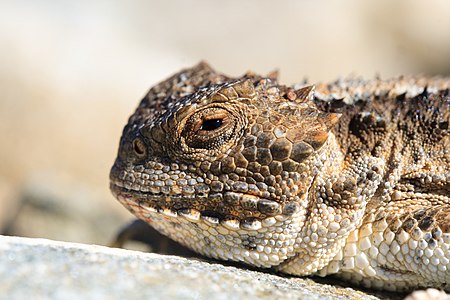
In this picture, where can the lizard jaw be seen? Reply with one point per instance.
(220, 238)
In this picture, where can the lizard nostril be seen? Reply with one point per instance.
(139, 147)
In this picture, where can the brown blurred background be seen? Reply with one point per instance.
(71, 72)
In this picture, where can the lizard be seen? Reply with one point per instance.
(350, 178)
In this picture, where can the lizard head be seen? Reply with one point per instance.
(232, 153)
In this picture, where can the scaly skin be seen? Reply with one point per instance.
(350, 178)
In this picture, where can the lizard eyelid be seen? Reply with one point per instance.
(211, 120)
(209, 129)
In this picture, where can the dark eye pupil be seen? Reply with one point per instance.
(211, 124)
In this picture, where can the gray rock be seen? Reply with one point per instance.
(44, 269)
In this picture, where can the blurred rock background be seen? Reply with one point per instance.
(71, 72)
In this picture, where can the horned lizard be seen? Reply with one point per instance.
(349, 178)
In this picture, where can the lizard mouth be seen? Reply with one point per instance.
(142, 207)
(248, 212)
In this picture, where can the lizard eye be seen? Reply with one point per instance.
(209, 128)
(209, 125)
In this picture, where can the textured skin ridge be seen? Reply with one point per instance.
(349, 178)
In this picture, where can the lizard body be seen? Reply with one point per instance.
(349, 178)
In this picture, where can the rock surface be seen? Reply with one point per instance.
(45, 269)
